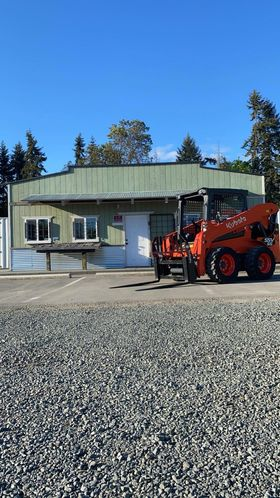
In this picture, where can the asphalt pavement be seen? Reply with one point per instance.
(67, 289)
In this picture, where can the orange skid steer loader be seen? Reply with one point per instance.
(217, 235)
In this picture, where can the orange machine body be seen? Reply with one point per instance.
(241, 233)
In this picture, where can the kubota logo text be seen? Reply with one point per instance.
(234, 223)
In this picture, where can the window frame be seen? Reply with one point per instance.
(85, 217)
(37, 219)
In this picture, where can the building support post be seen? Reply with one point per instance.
(84, 260)
(48, 261)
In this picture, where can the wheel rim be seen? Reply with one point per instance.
(227, 265)
(264, 263)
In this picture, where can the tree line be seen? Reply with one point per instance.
(261, 149)
(129, 142)
(19, 165)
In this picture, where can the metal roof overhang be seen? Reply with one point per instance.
(106, 196)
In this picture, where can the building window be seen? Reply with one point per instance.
(37, 230)
(161, 224)
(85, 229)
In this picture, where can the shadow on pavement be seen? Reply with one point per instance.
(240, 280)
(172, 285)
(134, 285)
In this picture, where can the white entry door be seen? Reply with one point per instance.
(137, 240)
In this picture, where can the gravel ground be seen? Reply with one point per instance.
(154, 400)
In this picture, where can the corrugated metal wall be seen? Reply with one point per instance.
(104, 257)
(27, 260)
(107, 257)
(148, 177)
(69, 261)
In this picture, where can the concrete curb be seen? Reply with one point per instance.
(4, 274)
(29, 275)
(124, 273)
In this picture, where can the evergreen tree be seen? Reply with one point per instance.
(17, 161)
(263, 145)
(6, 176)
(79, 150)
(189, 152)
(93, 153)
(34, 158)
(131, 141)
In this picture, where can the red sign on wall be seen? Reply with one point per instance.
(118, 219)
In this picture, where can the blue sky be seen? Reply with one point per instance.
(181, 66)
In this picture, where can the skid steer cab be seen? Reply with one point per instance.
(217, 235)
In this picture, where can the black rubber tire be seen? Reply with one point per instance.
(252, 263)
(213, 265)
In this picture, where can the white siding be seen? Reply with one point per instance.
(4, 243)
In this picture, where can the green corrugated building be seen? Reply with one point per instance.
(105, 216)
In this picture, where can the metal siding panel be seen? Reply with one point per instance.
(135, 178)
(107, 257)
(200, 178)
(169, 176)
(27, 259)
(100, 178)
(78, 181)
(87, 172)
(253, 200)
(132, 180)
(155, 179)
(66, 261)
(109, 177)
(138, 179)
(175, 177)
(125, 183)
(83, 182)
(115, 234)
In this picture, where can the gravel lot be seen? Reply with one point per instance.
(143, 400)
